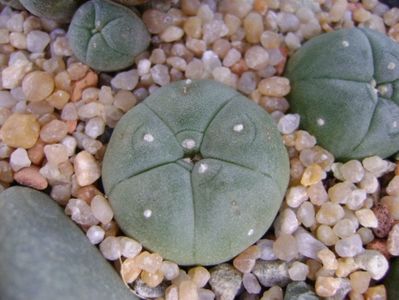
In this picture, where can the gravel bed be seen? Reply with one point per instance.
(337, 227)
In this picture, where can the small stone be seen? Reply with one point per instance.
(172, 293)
(329, 213)
(188, 291)
(350, 246)
(346, 266)
(37, 41)
(110, 248)
(317, 194)
(19, 159)
(367, 218)
(376, 293)
(385, 220)
(34, 80)
(56, 153)
(328, 259)
(326, 235)
(149, 262)
(393, 240)
(20, 131)
(87, 169)
(340, 192)
(129, 270)
(199, 275)
(306, 214)
(31, 177)
(95, 234)
(285, 247)
(298, 271)
(369, 183)
(58, 99)
(266, 249)
(12, 75)
(80, 212)
(373, 262)
(125, 80)
(297, 291)
(274, 86)
(193, 27)
(101, 209)
(393, 186)
(360, 281)
(288, 123)
(253, 26)
(271, 273)
(160, 74)
(366, 234)
(312, 175)
(129, 247)
(352, 171)
(152, 279)
(225, 281)
(243, 263)
(146, 292)
(327, 286)
(251, 284)
(205, 294)
(375, 165)
(232, 57)
(308, 245)
(171, 34)
(53, 132)
(256, 58)
(89, 80)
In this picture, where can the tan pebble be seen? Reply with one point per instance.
(149, 262)
(253, 26)
(188, 290)
(379, 245)
(6, 174)
(130, 270)
(58, 99)
(274, 86)
(392, 203)
(152, 279)
(260, 6)
(199, 276)
(393, 240)
(360, 281)
(346, 266)
(20, 131)
(90, 79)
(87, 193)
(328, 259)
(37, 86)
(244, 264)
(36, 153)
(87, 169)
(312, 175)
(239, 67)
(190, 7)
(327, 286)
(71, 125)
(377, 292)
(111, 229)
(274, 293)
(314, 266)
(172, 292)
(31, 177)
(54, 131)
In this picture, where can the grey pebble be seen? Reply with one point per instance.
(271, 273)
(225, 282)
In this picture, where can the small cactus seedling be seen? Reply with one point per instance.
(106, 35)
(60, 11)
(345, 86)
(196, 172)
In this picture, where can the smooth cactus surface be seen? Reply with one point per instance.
(45, 256)
(106, 35)
(61, 10)
(196, 172)
(345, 86)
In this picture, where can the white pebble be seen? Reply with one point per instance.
(95, 127)
(298, 271)
(125, 80)
(111, 248)
(352, 171)
(367, 218)
(296, 195)
(129, 247)
(37, 41)
(251, 284)
(266, 249)
(288, 123)
(101, 209)
(87, 170)
(95, 234)
(350, 246)
(374, 262)
(56, 153)
(19, 159)
(70, 143)
(143, 66)
(80, 212)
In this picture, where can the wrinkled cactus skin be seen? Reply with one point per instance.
(106, 35)
(61, 11)
(45, 256)
(207, 211)
(345, 86)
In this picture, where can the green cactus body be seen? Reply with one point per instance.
(345, 86)
(196, 172)
(45, 256)
(106, 35)
(60, 11)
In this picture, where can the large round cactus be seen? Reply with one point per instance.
(345, 86)
(107, 35)
(196, 172)
(61, 10)
(45, 256)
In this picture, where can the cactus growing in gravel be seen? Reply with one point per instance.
(60, 11)
(196, 172)
(345, 86)
(106, 35)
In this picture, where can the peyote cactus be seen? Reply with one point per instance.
(345, 86)
(106, 35)
(196, 172)
(45, 256)
(60, 11)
